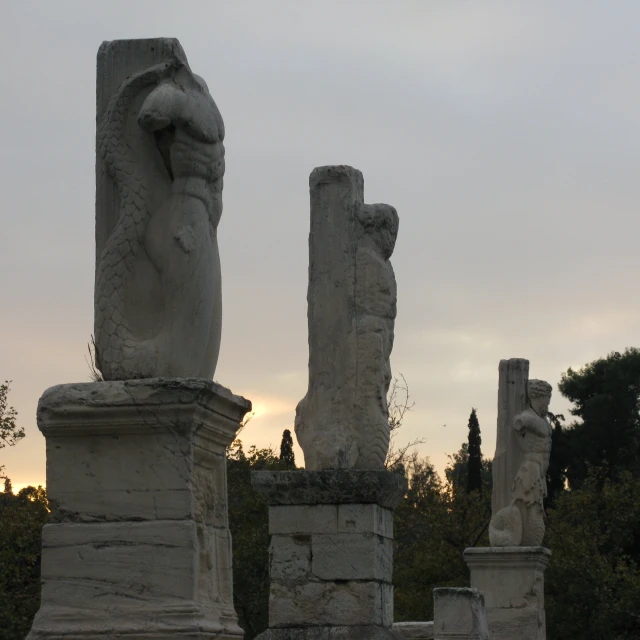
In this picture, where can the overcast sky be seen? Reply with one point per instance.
(506, 134)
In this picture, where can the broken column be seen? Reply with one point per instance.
(139, 545)
(331, 524)
(510, 573)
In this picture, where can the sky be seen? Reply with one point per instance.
(505, 133)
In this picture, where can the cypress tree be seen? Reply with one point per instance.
(287, 457)
(474, 465)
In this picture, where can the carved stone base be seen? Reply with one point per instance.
(512, 582)
(139, 544)
(331, 553)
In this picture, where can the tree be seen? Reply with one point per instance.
(287, 457)
(435, 522)
(474, 464)
(398, 402)
(606, 398)
(10, 433)
(249, 525)
(22, 517)
(592, 586)
(456, 472)
(556, 472)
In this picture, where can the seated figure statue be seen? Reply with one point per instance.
(521, 523)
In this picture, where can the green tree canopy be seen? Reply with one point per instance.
(22, 517)
(249, 526)
(606, 398)
(592, 585)
(10, 432)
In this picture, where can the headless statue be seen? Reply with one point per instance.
(158, 298)
(343, 420)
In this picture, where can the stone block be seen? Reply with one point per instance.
(303, 519)
(459, 613)
(139, 546)
(362, 632)
(365, 518)
(330, 603)
(512, 582)
(138, 450)
(289, 558)
(332, 486)
(352, 556)
(414, 630)
(108, 562)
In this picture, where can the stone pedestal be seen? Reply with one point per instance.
(512, 582)
(139, 544)
(459, 614)
(331, 554)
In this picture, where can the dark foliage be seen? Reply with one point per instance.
(474, 464)
(287, 457)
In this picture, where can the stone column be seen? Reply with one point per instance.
(512, 582)
(512, 399)
(331, 553)
(138, 545)
(343, 420)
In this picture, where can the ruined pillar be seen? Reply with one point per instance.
(331, 524)
(513, 375)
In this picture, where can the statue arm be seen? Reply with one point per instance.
(161, 107)
(524, 422)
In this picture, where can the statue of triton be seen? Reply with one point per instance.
(160, 146)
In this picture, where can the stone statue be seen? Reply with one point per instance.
(521, 522)
(158, 291)
(343, 421)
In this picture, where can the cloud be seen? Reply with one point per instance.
(504, 133)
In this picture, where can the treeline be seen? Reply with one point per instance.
(592, 586)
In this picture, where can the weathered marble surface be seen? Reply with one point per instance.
(459, 613)
(512, 582)
(159, 172)
(522, 458)
(331, 486)
(363, 632)
(331, 561)
(342, 422)
(139, 543)
(414, 630)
